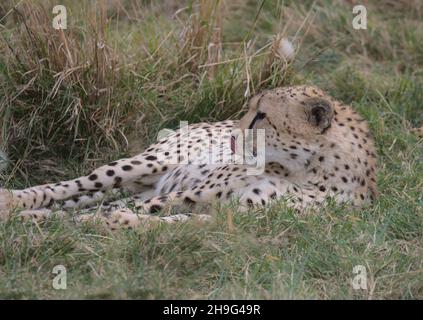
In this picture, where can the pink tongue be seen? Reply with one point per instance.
(233, 141)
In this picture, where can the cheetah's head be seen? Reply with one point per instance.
(296, 121)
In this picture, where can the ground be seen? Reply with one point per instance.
(144, 69)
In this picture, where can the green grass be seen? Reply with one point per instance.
(156, 81)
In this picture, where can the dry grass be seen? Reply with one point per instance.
(60, 86)
(87, 90)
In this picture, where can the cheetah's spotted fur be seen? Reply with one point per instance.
(316, 148)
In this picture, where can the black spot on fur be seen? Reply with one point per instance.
(155, 208)
(188, 200)
(118, 181)
(229, 193)
(110, 173)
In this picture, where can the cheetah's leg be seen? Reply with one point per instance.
(38, 215)
(87, 201)
(250, 194)
(104, 178)
(127, 219)
(118, 219)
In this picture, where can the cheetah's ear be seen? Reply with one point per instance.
(319, 112)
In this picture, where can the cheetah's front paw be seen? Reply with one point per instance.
(38, 215)
(127, 219)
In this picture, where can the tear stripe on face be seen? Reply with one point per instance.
(259, 116)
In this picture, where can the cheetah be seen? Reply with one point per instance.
(315, 148)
